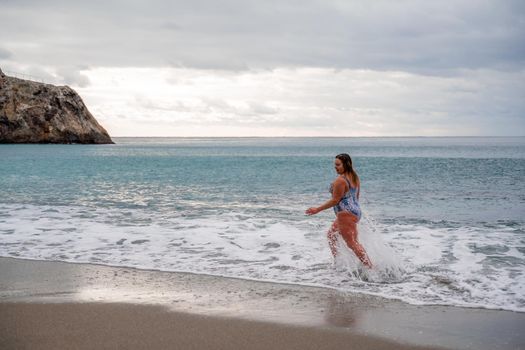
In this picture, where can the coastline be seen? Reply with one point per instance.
(160, 305)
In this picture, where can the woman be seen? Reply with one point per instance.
(345, 200)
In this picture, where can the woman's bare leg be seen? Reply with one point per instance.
(332, 238)
(347, 224)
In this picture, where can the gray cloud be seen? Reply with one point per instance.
(322, 102)
(423, 37)
(72, 76)
(5, 53)
(405, 67)
(257, 108)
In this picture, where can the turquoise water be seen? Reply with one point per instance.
(450, 209)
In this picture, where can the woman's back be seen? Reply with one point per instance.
(350, 200)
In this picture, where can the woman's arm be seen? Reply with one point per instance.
(337, 193)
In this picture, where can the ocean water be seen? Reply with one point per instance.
(443, 218)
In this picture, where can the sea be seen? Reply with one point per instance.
(443, 218)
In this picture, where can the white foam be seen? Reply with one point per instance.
(418, 264)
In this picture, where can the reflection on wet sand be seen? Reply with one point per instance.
(341, 313)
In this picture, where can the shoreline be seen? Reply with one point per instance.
(52, 289)
(283, 283)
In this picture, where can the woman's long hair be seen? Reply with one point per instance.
(347, 166)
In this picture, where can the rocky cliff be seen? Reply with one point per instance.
(32, 112)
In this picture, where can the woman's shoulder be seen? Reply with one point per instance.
(339, 181)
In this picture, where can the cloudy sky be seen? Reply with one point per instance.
(279, 68)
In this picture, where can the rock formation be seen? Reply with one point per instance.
(32, 112)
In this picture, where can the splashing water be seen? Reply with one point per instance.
(387, 266)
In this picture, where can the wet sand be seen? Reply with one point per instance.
(55, 305)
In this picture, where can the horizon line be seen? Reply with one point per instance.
(304, 137)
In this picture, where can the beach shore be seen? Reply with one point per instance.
(57, 305)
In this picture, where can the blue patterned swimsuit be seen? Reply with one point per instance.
(349, 201)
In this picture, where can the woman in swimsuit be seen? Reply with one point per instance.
(345, 201)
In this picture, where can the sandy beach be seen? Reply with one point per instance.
(56, 305)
